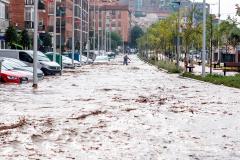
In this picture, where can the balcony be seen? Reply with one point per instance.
(29, 24)
(41, 28)
(3, 24)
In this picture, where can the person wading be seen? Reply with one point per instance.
(125, 59)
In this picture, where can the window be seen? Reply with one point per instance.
(2, 10)
(29, 14)
(29, 2)
(25, 57)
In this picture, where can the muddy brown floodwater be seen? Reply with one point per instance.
(114, 112)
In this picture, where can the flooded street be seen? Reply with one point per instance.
(114, 112)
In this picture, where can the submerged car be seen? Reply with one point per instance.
(8, 67)
(9, 76)
(16, 64)
(102, 59)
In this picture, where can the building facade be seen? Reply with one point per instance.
(4, 22)
(22, 17)
(110, 17)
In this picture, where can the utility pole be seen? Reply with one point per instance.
(178, 33)
(105, 30)
(94, 25)
(204, 39)
(54, 30)
(102, 43)
(81, 32)
(110, 31)
(211, 44)
(98, 29)
(219, 21)
(35, 58)
(88, 38)
(73, 30)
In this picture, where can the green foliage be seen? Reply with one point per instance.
(25, 39)
(136, 33)
(116, 40)
(230, 81)
(11, 36)
(166, 65)
(47, 40)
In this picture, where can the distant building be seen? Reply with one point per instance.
(113, 17)
(4, 22)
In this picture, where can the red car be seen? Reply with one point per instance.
(12, 77)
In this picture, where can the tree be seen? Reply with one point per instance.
(136, 33)
(47, 40)
(25, 39)
(11, 36)
(116, 40)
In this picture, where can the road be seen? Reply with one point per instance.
(116, 112)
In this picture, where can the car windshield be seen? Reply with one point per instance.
(42, 57)
(18, 63)
(7, 65)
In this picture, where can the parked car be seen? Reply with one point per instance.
(8, 67)
(48, 67)
(67, 62)
(9, 76)
(102, 59)
(20, 66)
(111, 55)
(78, 57)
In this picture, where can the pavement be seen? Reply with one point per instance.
(115, 112)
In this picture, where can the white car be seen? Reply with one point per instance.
(101, 59)
(67, 62)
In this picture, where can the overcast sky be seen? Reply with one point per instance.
(227, 7)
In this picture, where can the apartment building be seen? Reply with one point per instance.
(110, 17)
(22, 17)
(4, 22)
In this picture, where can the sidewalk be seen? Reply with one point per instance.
(198, 70)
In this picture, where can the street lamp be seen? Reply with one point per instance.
(204, 39)
(178, 31)
(219, 21)
(54, 30)
(35, 58)
(73, 30)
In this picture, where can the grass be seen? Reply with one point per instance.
(230, 81)
(166, 65)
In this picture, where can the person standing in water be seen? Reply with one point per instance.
(125, 59)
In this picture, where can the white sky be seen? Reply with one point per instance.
(227, 7)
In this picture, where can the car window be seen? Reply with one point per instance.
(25, 57)
(19, 63)
(7, 66)
(42, 57)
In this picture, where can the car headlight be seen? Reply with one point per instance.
(12, 77)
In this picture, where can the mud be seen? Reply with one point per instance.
(115, 112)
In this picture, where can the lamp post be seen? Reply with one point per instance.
(35, 58)
(219, 21)
(88, 38)
(54, 30)
(73, 30)
(178, 32)
(81, 31)
(94, 25)
(204, 39)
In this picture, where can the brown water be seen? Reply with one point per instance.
(115, 112)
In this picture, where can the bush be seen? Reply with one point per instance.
(230, 81)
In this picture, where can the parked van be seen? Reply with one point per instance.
(26, 56)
